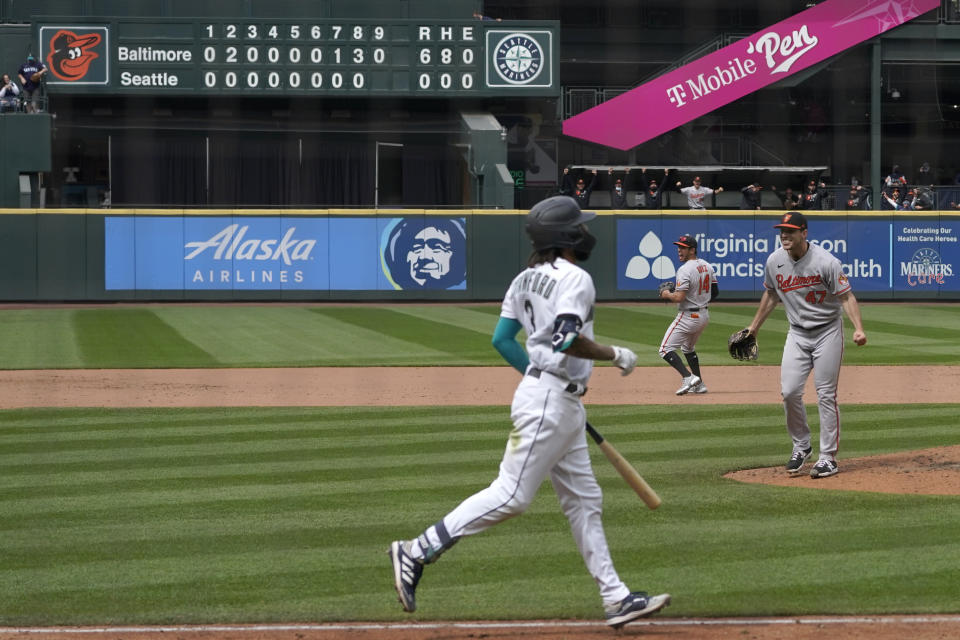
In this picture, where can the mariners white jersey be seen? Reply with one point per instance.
(536, 297)
(696, 195)
(808, 287)
(695, 277)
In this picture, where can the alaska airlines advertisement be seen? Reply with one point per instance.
(282, 253)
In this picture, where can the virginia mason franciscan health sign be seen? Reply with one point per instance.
(738, 69)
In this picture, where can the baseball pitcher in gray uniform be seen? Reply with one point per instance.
(810, 282)
(696, 286)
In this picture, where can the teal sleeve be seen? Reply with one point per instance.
(505, 342)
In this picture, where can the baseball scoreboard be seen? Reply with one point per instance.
(363, 57)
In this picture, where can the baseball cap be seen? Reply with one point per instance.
(792, 220)
(686, 240)
(30, 56)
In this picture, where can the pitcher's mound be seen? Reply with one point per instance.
(927, 471)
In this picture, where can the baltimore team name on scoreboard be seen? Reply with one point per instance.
(363, 57)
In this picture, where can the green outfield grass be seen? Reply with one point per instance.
(230, 515)
(284, 515)
(417, 335)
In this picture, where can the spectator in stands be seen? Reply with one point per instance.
(925, 175)
(859, 197)
(653, 193)
(751, 197)
(618, 190)
(926, 199)
(892, 200)
(31, 75)
(566, 183)
(895, 178)
(9, 95)
(578, 190)
(479, 16)
(814, 196)
(789, 199)
(696, 194)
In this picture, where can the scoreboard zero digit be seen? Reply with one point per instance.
(322, 57)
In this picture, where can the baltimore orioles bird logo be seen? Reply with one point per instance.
(70, 54)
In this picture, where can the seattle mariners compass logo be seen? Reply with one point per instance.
(518, 59)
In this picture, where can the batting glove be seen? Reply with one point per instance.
(625, 359)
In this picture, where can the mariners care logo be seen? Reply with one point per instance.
(926, 268)
(518, 59)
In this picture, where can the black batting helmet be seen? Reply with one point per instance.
(556, 222)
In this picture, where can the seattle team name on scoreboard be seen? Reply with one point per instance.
(390, 57)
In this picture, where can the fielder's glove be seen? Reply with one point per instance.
(625, 359)
(666, 286)
(742, 345)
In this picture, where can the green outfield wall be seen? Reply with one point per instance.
(451, 255)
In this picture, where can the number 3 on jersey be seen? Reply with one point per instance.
(815, 297)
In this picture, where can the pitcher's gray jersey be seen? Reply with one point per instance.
(695, 276)
(809, 288)
(536, 297)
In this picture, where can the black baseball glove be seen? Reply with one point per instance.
(742, 345)
(666, 286)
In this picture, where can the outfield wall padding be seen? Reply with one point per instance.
(396, 255)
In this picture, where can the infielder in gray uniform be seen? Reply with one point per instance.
(696, 286)
(811, 283)
(552, 300)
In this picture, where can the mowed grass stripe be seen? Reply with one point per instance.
(65, 421)
(482, 320)
(244, 532)
(449, 343)
(272, 336)
(38, 339)
(287, 336)
(133, 338)
(250, 336)
(146, 446)
(216, 436)
(738, 560)
(918, 316)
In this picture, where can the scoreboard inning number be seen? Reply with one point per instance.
(335, 56)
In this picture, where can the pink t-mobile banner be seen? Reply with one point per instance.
(740, 68)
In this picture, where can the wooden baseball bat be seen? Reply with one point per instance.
(626, 470)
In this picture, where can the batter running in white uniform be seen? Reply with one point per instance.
(552, 301)
(810, 282)
(696, 286)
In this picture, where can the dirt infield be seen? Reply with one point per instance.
(406, 386)
(935, 471)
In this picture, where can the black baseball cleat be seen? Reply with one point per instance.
(824, 468)
(636, 605)
(795, 463)
(406, 575)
